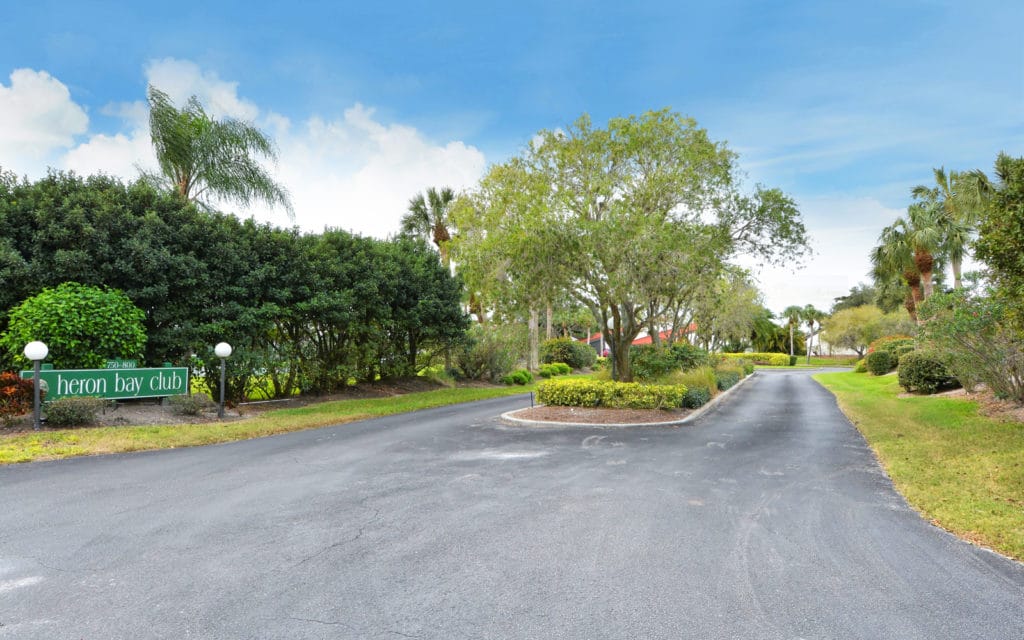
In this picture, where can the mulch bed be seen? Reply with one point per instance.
(596, 415)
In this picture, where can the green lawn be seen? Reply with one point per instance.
(66, 443)
(961, 470)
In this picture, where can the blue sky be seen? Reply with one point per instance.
(843, 105)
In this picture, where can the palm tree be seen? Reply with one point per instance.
(428, 217)
(793, 315)
(811, 316)
(907, 249)
(959, 197)
(201, 157)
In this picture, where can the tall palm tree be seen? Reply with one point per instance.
(793, 315)
(428, 217)
(959, 197)
(907, 249)
(201, 157)
(811, 316)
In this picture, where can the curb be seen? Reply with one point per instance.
(509, 418)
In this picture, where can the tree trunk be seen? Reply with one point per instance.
(925, 263)
(549, 328)
(957, 282)
(791, 339)
(533, 357)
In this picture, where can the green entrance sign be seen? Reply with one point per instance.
(113, 384)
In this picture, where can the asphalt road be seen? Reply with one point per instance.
(766, 518)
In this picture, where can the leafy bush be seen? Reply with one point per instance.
(648, 361)
(726, 379)
(520, 377)
(485, 354)
(554, 369)
(861, 366)
(924, 371)
(770, 359)
(792, 361)
(696, 398)
(73, 412)
(701, 384)
(83, 326)
(16, 395)
(895, 346)
(880, 362)
(979, 339)
(619, 395)
(191, 404)
(577, 355)
(600, 364)
(574, 392)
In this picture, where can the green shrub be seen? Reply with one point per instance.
(488, 353)
(726, 379)
(73, 412)
(896, 346)
(191, 404)
(618, 395)
(561, 368)
(700, 384)
(648, 361)
(554, 369)
(578, 355)
(688, 356)
(924, 371)
(748, 367)
(792, 361)
(600, 364)
(520, 377)
(83, 326)
(545, 371)
(696, 398)
(880, 363)
(861, 366)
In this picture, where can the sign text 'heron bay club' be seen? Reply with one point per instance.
(113, 383)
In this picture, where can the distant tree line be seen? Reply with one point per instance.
(308, 312)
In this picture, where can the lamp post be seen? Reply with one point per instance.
(36, 352)
(222, 351)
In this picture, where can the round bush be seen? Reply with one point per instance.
(923, 371)
(73, 412)
(577, 355)
(696, 397)
(880, 363)
(83, 326)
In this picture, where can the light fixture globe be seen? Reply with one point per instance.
(36, 350)
(222, 350)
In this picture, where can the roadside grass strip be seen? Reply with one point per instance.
(961, 470)
(84, 441)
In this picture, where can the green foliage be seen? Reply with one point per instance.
(520, 377)
(307, 312)
(895, 346)
(601, 363)
(649, 362)
(579, 392)
(770, 359)
(861, 366)
(728, 376)
(880, 362)
(978, 339)
(487, 354)
(1001, 235)
(857, 327)
(73, 412)
(191, 404)
(83, 326)
(924, 371)
(17, 396)
(792, 361)
(700, 384)
(577, 355)
(554, 369)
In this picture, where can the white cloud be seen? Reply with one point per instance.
(350, 171)
(843, 230)
(37, 118)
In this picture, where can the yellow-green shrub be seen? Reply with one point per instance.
(772, 359)
(619, 395)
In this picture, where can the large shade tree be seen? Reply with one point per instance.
(203, 159)
(631, 210)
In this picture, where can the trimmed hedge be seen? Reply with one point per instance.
(771, 359)
(727, 379)
(696, 398)
(581, 392)
(73, 412)
(880, 362)
(520, 377)
(577, 355)
(924, 371)
(896, 346)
